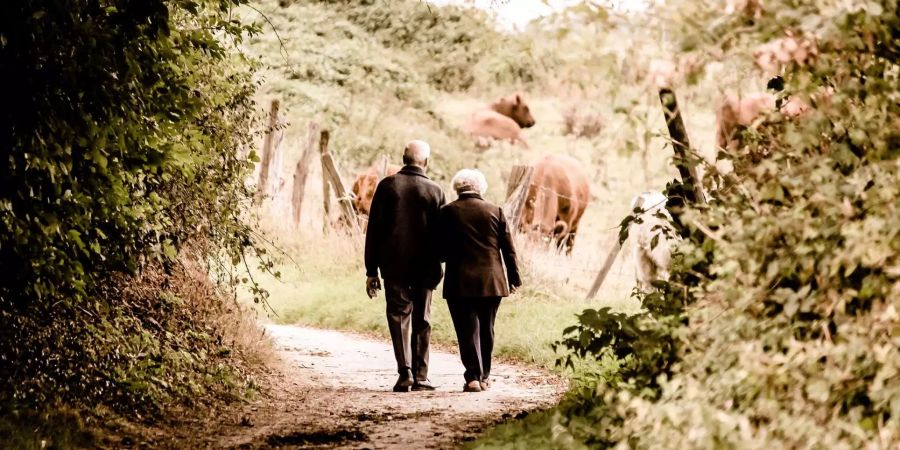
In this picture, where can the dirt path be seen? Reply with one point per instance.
(335, 392)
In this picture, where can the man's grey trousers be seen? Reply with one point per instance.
(409, 321)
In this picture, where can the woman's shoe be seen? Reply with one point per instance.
(485, 384)
(472, 386)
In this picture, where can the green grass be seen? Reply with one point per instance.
(52, 428)
(535, 431)
(324, 287)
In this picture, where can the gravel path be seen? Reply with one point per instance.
(334, 391)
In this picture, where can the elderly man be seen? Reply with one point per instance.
(401, 242)
(476, 244)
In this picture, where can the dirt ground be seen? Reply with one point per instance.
(334, 391)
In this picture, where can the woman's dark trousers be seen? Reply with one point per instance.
(473, 319)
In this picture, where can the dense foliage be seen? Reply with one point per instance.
(779, 327)
(121, 180)
(449, 40)
(367, 70)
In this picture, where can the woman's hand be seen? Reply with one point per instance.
(513, 289)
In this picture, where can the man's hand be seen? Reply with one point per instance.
(513, 289)
(373, 285)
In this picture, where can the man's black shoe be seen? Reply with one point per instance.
(422, 385)
(404, 382)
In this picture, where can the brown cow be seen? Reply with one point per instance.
(501, 120)
(364, 186)
(740, 111)
(558, 195)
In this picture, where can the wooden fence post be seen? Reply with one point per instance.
(682, 147)
(333, 176)
(340, 191)
(302, 171)
(607, 264)
(326, 188)
(262, 187)
(275, 179)
(516, 194)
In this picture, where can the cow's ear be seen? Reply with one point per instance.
(518, 99)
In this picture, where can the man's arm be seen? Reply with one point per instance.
(508, 250)
(374, 231)
(442, 199)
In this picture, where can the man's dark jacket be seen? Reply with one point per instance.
(476, 242)
(401, 238)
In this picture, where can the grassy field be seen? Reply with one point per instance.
(324, 287)
(312, 65)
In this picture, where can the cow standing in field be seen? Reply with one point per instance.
(738, 111)
(501, 120)
(364, 186)
(557, 197)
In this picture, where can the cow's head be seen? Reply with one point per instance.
(516, 109)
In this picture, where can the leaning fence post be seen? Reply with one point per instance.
(302, 171)
(681, 144)
(262, 187)
(516, 194)
(607, 264)
(333, 177)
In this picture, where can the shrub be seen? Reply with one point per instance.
(120, 152)
(581, 122)
(778, 328)
(447, 40)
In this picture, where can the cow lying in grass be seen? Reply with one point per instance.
(502, 120)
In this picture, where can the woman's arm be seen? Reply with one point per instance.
(508, 250)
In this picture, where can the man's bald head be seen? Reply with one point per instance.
(416, 153)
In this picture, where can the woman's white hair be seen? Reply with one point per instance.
(469, 180)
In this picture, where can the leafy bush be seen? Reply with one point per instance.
(778, 327)
(121, 142)
(581, 122)
(448, 41)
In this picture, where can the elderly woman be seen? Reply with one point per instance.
(476, 245)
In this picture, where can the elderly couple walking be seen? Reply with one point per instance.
(411, 231)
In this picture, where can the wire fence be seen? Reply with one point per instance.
(596, 235)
